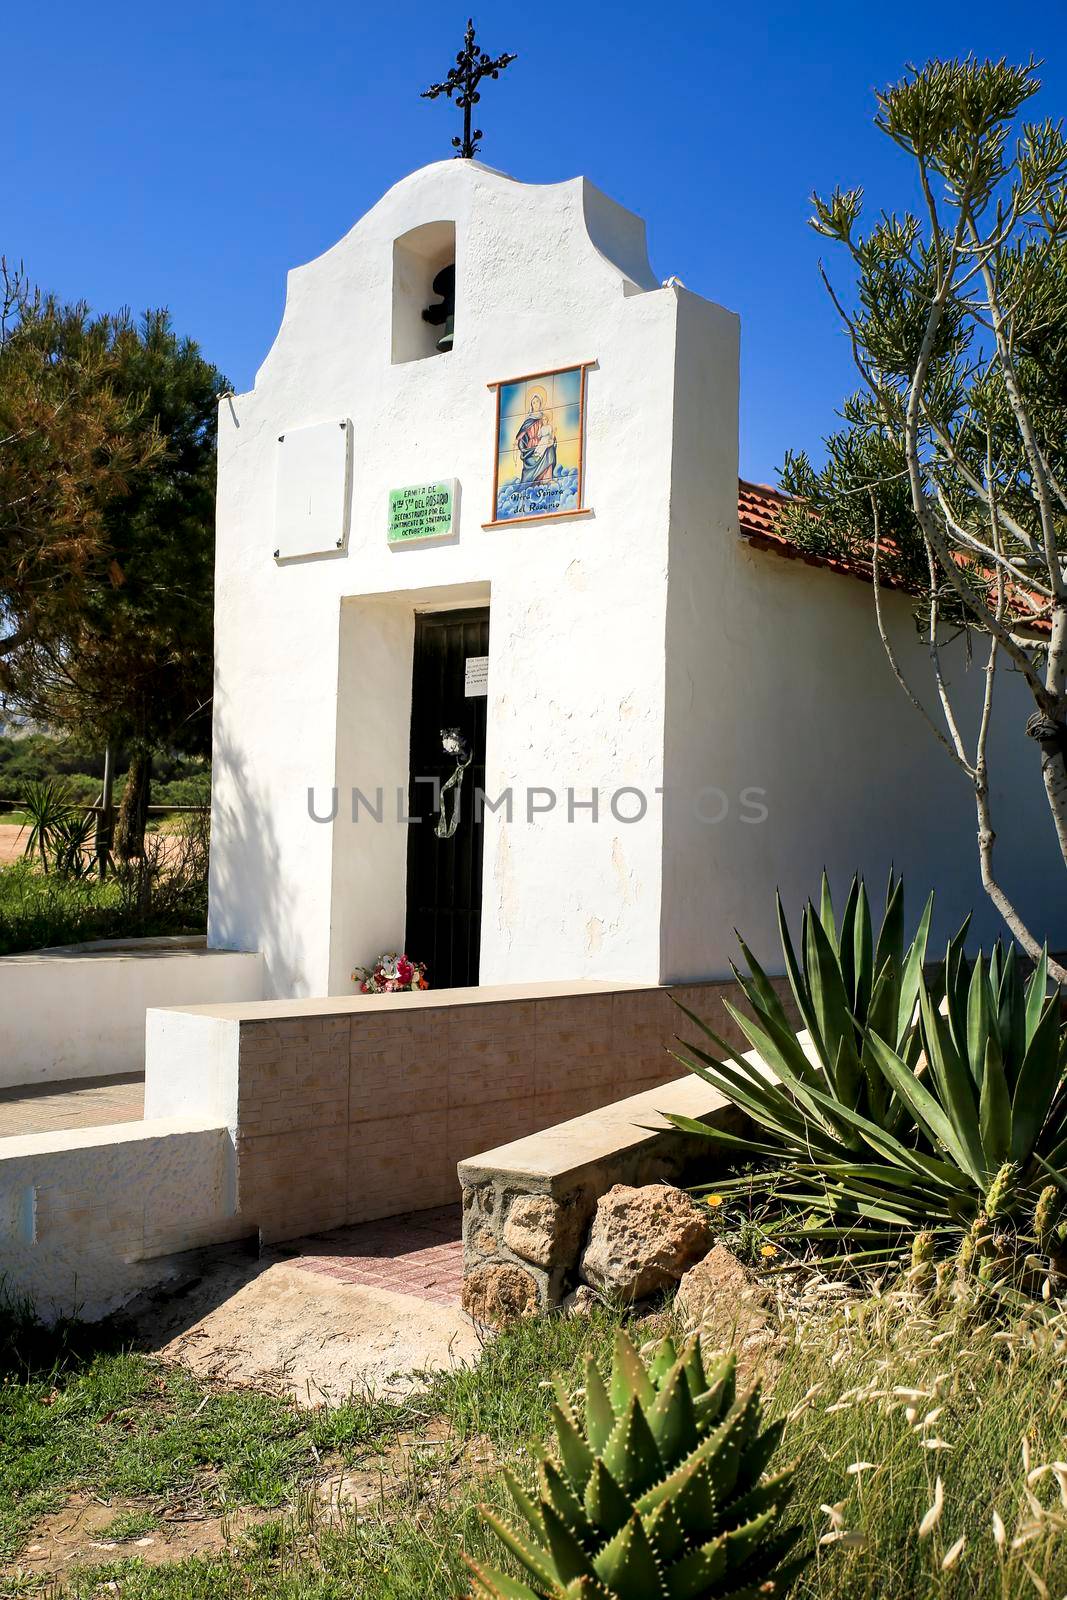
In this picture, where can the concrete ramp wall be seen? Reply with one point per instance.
(85, 1213)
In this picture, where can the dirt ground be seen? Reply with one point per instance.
(240, 1321)
(13, 838)
(12, 842)
(77, 1535)
(269, 1324)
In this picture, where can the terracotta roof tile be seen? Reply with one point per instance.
(757, 514)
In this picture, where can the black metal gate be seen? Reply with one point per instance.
(444, 911)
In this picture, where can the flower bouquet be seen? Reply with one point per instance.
(391, 974)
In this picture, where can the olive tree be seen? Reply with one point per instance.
(948, 476)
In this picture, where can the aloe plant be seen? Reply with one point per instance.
(914, 1103)
(658, 1493)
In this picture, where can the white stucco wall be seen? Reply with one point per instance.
(644, 645)
(313, 692)
(778, 682)
(80, 1012)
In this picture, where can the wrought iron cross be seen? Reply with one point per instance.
(472, 65)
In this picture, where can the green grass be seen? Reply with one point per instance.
(82, 1415)
(38, 910)
(982, 1394)
(80, 1412)
(117, 1424)
(129, 1525)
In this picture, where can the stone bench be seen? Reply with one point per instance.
(527, 1205)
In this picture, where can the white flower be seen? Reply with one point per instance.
(851, 1538)
(864, 1466)
(1000, 1533)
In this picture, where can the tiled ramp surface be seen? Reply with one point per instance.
(74, 1103)
(418, 1254)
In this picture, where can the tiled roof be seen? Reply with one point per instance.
(757, 513)
(757, 508)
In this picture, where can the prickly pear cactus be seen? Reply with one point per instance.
(658, 1493)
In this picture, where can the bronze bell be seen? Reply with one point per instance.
(444, 285)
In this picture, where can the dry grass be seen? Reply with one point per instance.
(931, 1439)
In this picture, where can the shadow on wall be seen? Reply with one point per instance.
(237, 918)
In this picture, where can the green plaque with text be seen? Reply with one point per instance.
(422, 511)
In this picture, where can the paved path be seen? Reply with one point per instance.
(72, 1103)
(419, 1254)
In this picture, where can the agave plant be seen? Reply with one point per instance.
(909, 1100)
(658, 1493)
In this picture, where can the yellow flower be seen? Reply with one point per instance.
(713, 1200)
(767, 1251)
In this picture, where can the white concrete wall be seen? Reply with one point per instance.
(85, 1214)
(777, 681)
(312, 692)
(192, 1066)
(80, 1012)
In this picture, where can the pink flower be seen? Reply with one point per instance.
(405, 971)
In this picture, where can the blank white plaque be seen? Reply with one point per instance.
(312, 489)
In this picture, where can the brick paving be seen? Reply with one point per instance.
(418, 1254)
(71, 1103)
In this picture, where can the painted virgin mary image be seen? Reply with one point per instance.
(535, 443)
(539, 445)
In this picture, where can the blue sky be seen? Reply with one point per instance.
(187, 156)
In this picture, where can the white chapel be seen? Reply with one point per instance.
(511, 673)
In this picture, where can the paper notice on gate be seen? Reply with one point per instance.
(476, 677)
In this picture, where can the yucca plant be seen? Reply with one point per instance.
(49, 808)
(901, 1113)
(658, 1493)
(72, 839)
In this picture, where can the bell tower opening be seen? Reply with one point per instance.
(424, 291)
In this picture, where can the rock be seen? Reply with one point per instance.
(643, 1240)
(543, 1231)
(499, 1293)
(720, 1296)
(482, 1242)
